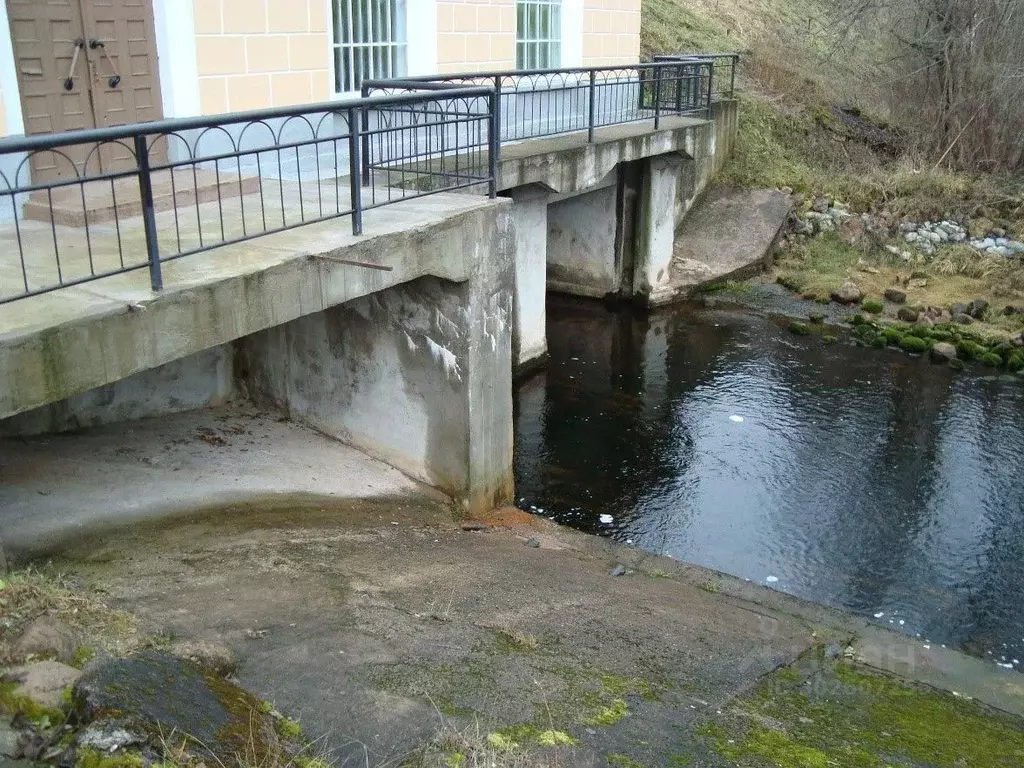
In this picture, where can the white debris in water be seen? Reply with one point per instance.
(1006, 666)
(927, 647)
(902, 622)
(606, 519)
(737, 419)
(629, 541)
(771, 579)
(880, 614)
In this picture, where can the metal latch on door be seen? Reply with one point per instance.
(115, 79)
(69, 81)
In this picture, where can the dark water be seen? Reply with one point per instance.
(858, 478)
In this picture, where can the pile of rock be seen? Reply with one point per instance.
(927, 237)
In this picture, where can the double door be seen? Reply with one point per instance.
(85, 64)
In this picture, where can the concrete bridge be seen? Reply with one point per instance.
(394, 317)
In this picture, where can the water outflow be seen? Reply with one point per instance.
(858, 478)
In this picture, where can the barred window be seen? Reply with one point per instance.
(369, 41)
(538, 34)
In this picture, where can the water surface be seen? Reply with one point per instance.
(859, 478)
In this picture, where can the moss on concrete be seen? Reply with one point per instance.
(822, 713)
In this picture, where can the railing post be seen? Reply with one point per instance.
(732, 75)
(592, 105)
(657, 97)
(365, 169)
(711, 86)
(354, 165)
(497, 105)
(148, 213)
(494, 144)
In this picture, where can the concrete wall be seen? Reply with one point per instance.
(581, 244)
(419, 375)
(197, 381)
(530, 215)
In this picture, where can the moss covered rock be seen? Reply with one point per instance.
(800, 329)
(913, 344)
(872, 306)
(991, 359)
(158, 693)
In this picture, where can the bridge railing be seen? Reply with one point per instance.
(138, 196)
(723, 70)
(548, 102)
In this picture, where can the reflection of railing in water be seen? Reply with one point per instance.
(227, 179)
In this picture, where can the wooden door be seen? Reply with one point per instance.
(114, 81)
(44, 34)
(122, 44)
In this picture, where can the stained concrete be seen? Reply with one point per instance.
(728, 233)
(53, 488)
(76, 339)
(581, 244)
(530, 218)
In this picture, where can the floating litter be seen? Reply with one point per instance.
(771, 579)
(737, 419)
(607, 519)
(880, 614)
(927, 647)
(902, 622)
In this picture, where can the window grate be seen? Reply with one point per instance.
(538, 34)
(369, 41)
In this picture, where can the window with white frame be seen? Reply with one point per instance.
(369, 41)
(538, 34)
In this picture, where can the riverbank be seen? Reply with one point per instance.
(404, 636)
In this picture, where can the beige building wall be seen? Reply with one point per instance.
(475, 35)
(254, 54)
(611, 32)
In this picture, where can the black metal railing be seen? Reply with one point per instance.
(548, 102)
(723, 70)
(126, 198)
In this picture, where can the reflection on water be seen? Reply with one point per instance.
(859, 478)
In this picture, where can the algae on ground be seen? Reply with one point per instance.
(822, 713)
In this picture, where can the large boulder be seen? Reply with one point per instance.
(158, 693)
(895, 295)
(847, 293)
(943, 352)
(48, 637)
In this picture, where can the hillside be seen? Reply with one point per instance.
(800, 60)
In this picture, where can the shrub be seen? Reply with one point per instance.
(800, 329)
(829, 339)
(1016, 361)
(892, 336)
(872, 306)
(991, 359)
(816, 317)
(968, 349)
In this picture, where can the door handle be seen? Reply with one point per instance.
(69, 81)
(115, 79)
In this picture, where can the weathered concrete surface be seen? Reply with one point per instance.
(418, 375)
(52, 488)
(61, 344)
(382, 624)
(378, 634)
(581, 249)
(657, 224)
(197, 381)
(530, 217)
(728, 233)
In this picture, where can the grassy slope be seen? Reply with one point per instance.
(794, 64)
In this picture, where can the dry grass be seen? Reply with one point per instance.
(29, 594)
(957, 274)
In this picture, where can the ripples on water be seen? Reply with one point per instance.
(859, 478)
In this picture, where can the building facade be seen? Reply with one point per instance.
(74, 64)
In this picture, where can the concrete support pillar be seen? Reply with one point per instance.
(656, 226)
(419, 375)
(530, 217)
(582, 258)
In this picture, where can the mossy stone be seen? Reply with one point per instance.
(829, 339)
(816, 317)
(991, 359)
(1016, 361)
(892, 336)
(800, 329)
(913, 344)
(872, 306)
